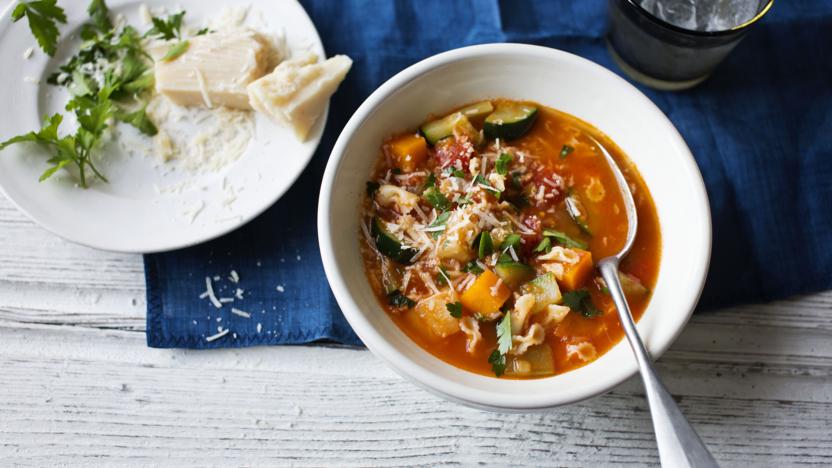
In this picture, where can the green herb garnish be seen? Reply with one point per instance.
(497, 359)
(397, 299)
(439, 221)
(564, 239)
(43, 16)
(511, 240)
(481, 181)
(442, 277)
(455, 309)
(168, 28)
(436, 199)
(473, 267)
(565, 151)
(502, 163)
(544, 246)
(485, 244)
(454, 172)
(580, 301)
(176, 50)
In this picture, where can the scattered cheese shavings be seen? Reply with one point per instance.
(209, 288)
(280, 288)
(226, 300)
(234, 277)
(217, 336)
(239, 293)
(259, 327)
(30, 79)
(27, 54)
(241, 313)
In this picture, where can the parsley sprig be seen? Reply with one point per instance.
(43, 16)
(497, 359)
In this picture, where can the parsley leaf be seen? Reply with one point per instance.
(473, 267)
(140, 120)
(442, 277)
(429, 182)
(481, 181)
(455, 309)
(439, 221)
(497, 359)
(397, 299)
(502, 163)
(544, 246)
(565, 151)
(168, 28)
(511, 240)
(485, 244)
(580, 301)
(454, 172)
(176, 50)
(564, 239)
(42, 16)
(436, 199)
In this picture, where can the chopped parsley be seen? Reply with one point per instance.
(502, 163)
(544, 246)
(440, 220)
(455, 309)
(580, 301)
(43, 16)
(497, 359)
(436, 199)
(473, 267)
(168, 28)
(481, 181)
(397, 299)
(442, 277)
(176, 50)
(454, 172)
(511, 240)
(485, 244)
(464, 200)
(429, 182)
(565, 151)
(564, 239)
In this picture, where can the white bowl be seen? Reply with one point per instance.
(556, 79)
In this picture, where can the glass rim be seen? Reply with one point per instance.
(722, 32)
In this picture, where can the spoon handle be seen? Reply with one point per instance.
(679, 444)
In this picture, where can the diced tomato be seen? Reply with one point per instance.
(547, 187)
(530, 240)
(455, 152)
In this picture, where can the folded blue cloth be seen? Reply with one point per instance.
(760, 129)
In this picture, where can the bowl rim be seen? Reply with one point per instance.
(395, 358)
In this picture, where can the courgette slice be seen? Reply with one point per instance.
(389, 245)
(479, 109)
(537, 361)
(545, 289)
(510, 121)
(443, 128)
(514, 274)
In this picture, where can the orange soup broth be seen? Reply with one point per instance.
(606, 220)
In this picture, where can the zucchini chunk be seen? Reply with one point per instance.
(389, 245)
(479, 109)
(514, 274)
(443, 128)
(545, 289)
(510, 121)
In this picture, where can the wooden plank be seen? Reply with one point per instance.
(67, 403)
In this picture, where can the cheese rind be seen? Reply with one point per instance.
(215, 70)
(296, 93)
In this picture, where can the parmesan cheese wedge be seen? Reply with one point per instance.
(215, 70)
(297, 91)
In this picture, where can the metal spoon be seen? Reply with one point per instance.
(679, 444)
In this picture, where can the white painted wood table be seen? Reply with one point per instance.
(78, 386)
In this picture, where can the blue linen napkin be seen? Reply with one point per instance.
(760, 129)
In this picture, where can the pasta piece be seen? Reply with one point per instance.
(522, 306)
(534, 336)
(390, 195)
(561, 255)
(584, 350)
(595, 191)
(553, 314)
(432, 317)
(471, 328)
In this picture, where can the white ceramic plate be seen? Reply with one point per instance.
(556, 79)
(145, 207)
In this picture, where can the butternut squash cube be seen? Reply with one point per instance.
(576, 274)
(486, 294)
(409, 152)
